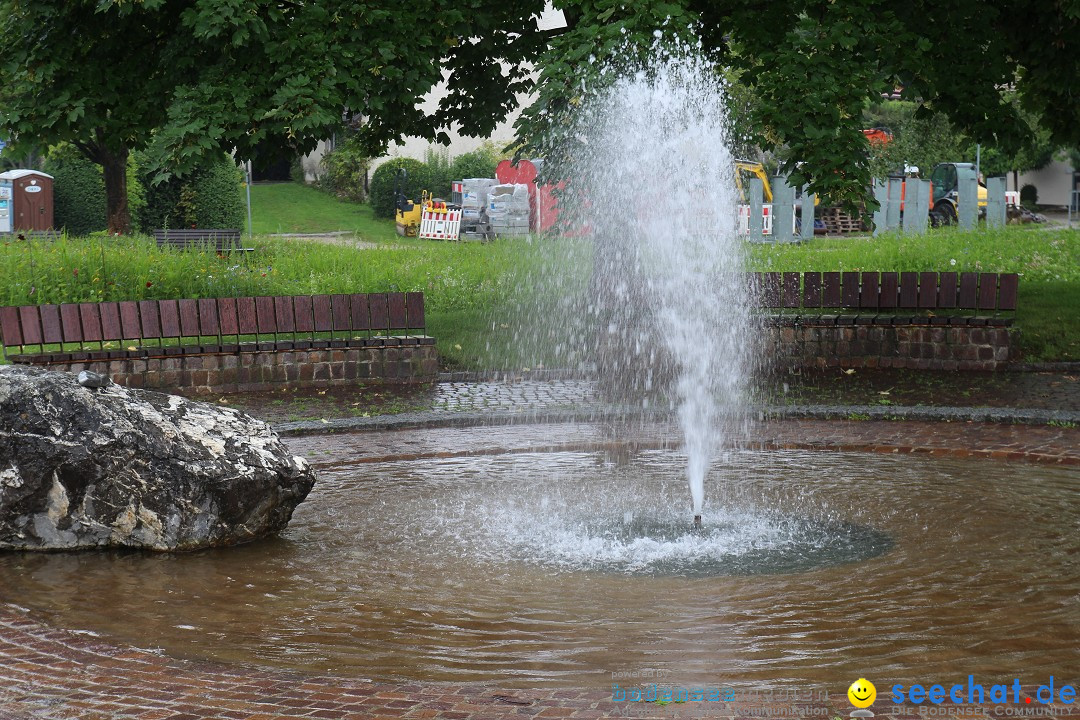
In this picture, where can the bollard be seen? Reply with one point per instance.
(892, 210)
(783, 224)
(967, 202)
(996, 211)
(916, 206)
(881, 194)
(757, 193)
(806, 232)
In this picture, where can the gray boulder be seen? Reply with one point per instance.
(121, 467)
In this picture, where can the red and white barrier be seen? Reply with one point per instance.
(440, 224)
(766, 219)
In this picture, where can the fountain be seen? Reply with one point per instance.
(560, 554)
(651, 180)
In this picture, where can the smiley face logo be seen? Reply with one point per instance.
(862, 693)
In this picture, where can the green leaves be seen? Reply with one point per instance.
(806, 69)
(187, 79)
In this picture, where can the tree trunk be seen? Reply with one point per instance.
(114, 166)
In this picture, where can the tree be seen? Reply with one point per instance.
(922, 142)
(813, 66)
(182, 80)
(931, 139)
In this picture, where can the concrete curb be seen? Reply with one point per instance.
(403, 421)
(545, 375)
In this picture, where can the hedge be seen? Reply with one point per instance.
(476, 164)
(211, 197)
(78, 191)
(381, 187)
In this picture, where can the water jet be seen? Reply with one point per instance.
(665, 310)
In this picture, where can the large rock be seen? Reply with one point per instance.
(120, 467)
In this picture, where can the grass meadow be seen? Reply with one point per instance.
(470, 287)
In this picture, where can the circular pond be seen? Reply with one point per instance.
(564, 567)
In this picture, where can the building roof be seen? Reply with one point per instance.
(16, 174)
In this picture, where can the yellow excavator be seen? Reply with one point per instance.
(744, 171)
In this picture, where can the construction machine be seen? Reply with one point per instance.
(744, 172)
(408, 212)
(944, 193)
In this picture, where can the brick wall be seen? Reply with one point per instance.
(925, 347)
(204, 374)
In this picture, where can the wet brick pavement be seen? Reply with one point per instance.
(1057, 392)
(1042, 444)
(523, 395)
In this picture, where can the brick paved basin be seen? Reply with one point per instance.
(457, 555)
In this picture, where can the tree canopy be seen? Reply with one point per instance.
(814, 65)
(184, 79)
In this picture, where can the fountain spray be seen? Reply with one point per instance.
(656, 184)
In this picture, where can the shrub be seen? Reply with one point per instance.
(136, 194)
(211, 197)
(160, 210)
(218, 191)
(296, 170)
(438, 164)
(381, 188)
(1029, 195)
(476, 164)
(78, 191)
(345, 172)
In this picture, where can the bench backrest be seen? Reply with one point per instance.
(222, 239)
(31, 235)
(173, 320)
(883, 292)
(189, 234)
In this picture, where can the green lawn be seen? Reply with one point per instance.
(473, 290)
(1048, 261)
(295, 208)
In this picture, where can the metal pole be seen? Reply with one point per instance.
(249, 197)
(978, 156)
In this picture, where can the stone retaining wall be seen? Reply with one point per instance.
(894, 346)
(244, 372)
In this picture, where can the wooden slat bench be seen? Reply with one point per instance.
(888, 298)
(30, 235)
(222, 240)
(160, 328)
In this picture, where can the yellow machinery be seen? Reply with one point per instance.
(407, 217)
(744, 171)
(409, 213)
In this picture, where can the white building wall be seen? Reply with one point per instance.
(460, 142)
(312, 162)
(1054, 182)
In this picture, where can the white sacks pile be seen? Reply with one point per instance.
(508, 209)
(474, 198)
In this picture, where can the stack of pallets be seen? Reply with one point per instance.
(838, 221)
